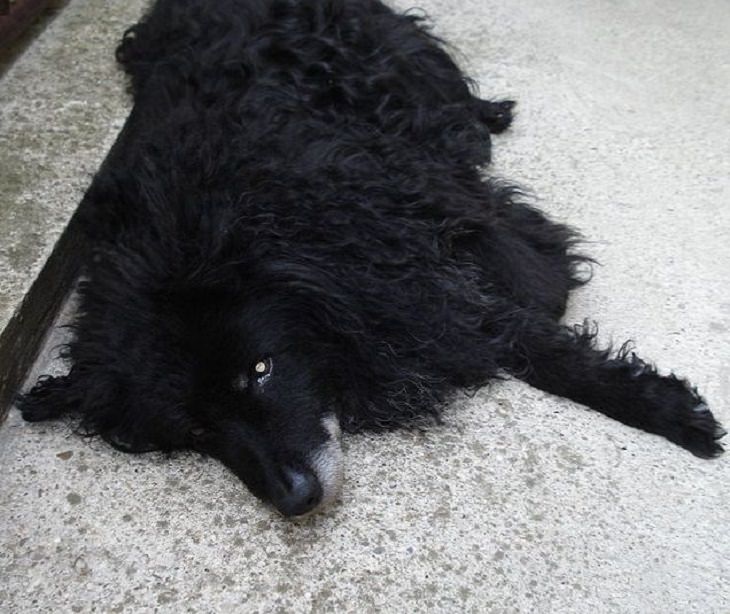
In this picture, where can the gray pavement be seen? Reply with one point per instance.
(61, 105)
(521, 502)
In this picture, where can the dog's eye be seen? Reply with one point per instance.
(258, 373)
(261, 369)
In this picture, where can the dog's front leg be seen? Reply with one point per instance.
(564, 361)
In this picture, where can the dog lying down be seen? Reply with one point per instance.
(294, 234)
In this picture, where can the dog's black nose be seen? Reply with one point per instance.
(301, 492)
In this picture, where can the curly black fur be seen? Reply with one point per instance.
(301, 182)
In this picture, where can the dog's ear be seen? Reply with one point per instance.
(131, 418)
(139, 426)
(50, 398)
(127, 424)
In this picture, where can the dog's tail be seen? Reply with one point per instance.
(566, 362)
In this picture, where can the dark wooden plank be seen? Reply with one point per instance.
(16, 16)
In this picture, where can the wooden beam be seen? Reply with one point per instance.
(16, 16)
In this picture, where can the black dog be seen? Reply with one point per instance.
(293, 233)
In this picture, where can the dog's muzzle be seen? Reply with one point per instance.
(305, 490)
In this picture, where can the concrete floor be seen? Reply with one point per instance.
(521, 502)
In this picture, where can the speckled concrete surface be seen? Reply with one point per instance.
(521, 502)
(61, 106)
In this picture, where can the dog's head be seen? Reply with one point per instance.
(262, 400)
(243, 379)
(254, 362)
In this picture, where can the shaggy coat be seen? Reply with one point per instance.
(294, 232)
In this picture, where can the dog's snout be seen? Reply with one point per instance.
(300, 492)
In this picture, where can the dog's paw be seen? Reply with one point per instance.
(700, 432)
(687, 421)
(671, 407)
(47, 400)
(496, 115)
